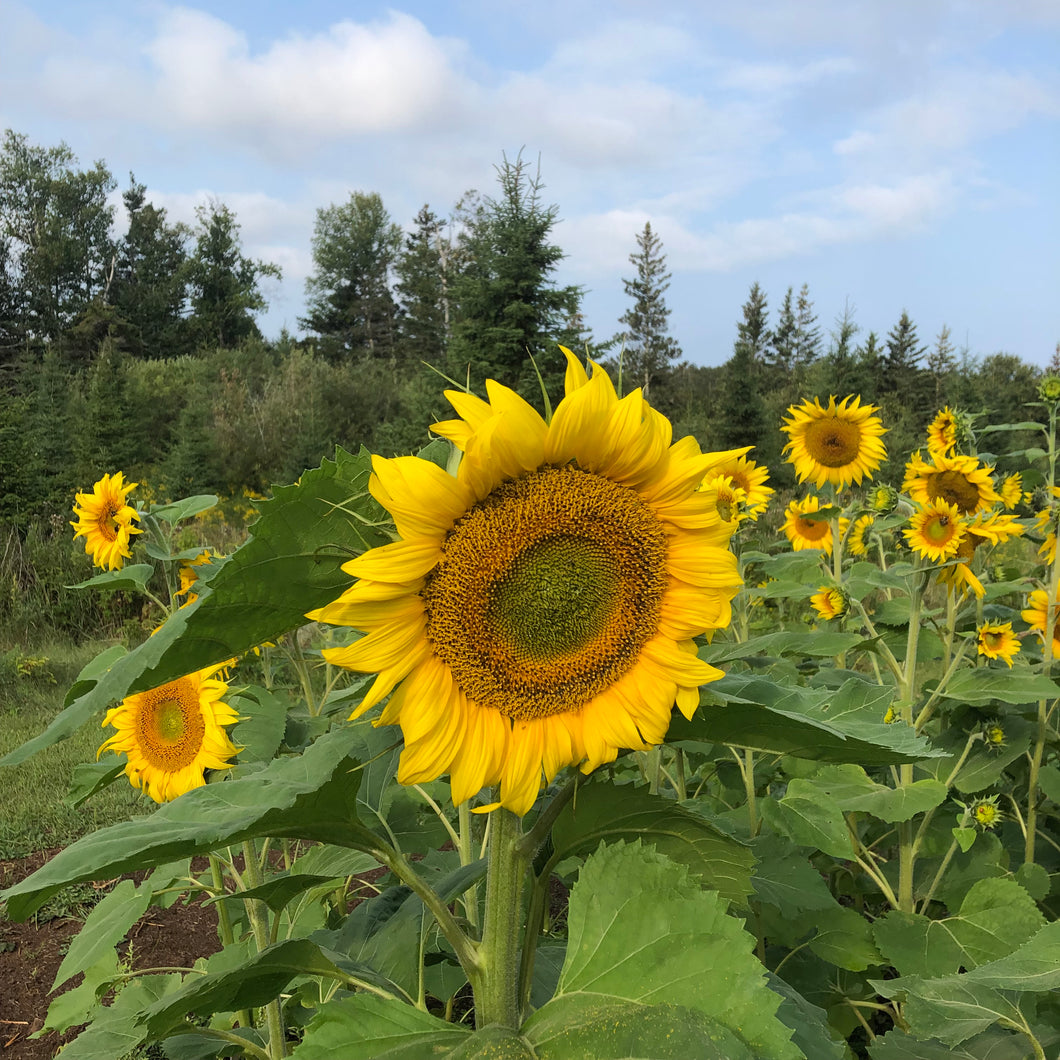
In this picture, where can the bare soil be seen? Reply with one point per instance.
(31, 952)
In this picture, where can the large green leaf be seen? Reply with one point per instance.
(309, 796)
(642, 930)
(990, 1045)
(785, 878)
(185, 508)
(845, 725)
(981, 686)
(135, 576)
(844, 938)
(291, 565)
(601, 811)
(784, 642)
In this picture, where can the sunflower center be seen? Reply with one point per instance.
(940, 529)
(954, 488)
(833, 442)
(170, 728)
(993, 640)
(813, 529)
(546, 592)
(107, 524)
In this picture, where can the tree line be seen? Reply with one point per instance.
(141, 351)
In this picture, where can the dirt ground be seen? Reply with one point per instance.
(31, 952)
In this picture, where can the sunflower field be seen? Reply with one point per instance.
(566, 740)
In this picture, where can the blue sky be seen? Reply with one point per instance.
(892, 154)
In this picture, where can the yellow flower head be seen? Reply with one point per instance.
(839, 444)
(1036, 615)
(1045, 523)
(985, 529)
(539, 608)
(942, 432)
(105, 520)
(748, 476)
(994, 734)
(726, 503)
(171, 734)
(189, 575)
(936, 531)
(997, 641)
(1011, 491)
(986, 813)
(809, 533)
(859, 537)
(830, 602)
(959, 480)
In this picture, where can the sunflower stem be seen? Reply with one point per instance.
(906, 850)
(259, 922)
(496, 980)
(465, 839)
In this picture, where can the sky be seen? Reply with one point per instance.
(891, 154)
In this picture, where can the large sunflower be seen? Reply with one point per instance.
(838, 443)
(936, 531)
(809, 533)
(1037, 612)
(959, 480)
(171, 734)
(539, 607)
(105, 520)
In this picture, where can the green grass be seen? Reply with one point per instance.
(34, 814)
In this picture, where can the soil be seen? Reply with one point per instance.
(31, 952)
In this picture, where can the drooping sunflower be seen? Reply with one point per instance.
(105, 519)
(984, 529)
(539, 607)
(1011, 491)
(839, 444)
(808, 533)
(189, 575)
(173, 733)
(959, 480)
(749, 477)
(1045, 523)
(936, 531)
(942, 432)
(858, 539)
(830, 602)
(997, 641)
(1036, 614)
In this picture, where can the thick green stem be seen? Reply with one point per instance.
(258, 915)
(224, 924)
(496, 982)
(465, 840)
(906, 850)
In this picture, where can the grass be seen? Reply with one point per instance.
(34, 814)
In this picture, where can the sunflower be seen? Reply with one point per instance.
(1045, 523)
(1011, 491)
(839, 444)
(987, 528)
(858, 539)
(809, 533)
(830, 602)
(1035, 615)
(539, 607)
(997, 641)
(986, 813)
(189, 575)
(105, 520)
(725, 502)
(959, 480)
(171, 734)
(748, 476)
(942, 432)
(936, 531)
(993, 730)
(883, 499)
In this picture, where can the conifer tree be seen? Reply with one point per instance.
(901, 364)
(941, 365)
(840, 359)
(780, 354)
(422, 287)
(648, 352)
(806, 344)
(743, 413)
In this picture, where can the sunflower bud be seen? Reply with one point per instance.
(1049, 389)
(994, 735)
(986, 813)
(883, 499)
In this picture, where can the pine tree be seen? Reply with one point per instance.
(941, 365)
(901, 364)
(743, 412)
(422, 289)
(806, 344)
(840, 358)
(350, 304)
(648, 352)
(780, 354)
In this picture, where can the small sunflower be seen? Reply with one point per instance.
(936, 531)
(1045, 523)
(959, 480)
(985, 529)
(1049, 389)
(1036, 614)
(858, 539)
(839, 444)
(727, 503)
(994, 734)
(942, 432)
(830, 602)
(883, 499)
(539, 607)
(1011, 491)
(997, 641)
(105, 520)
(189, 575)
(171, 734)
(808, 533)
(748, 476)
(986, 813)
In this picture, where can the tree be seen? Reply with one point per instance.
(840, 357)
(779, 353)
(506, 302)
(806, 341)
(351, 307)
(743, 412)
(901, 362)
(648, 352)
(423, 290)
(941, 365)
(148, 288)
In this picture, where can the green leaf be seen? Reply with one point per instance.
(87, 778)
(829, 726)
(184, 508)
(844, 938)
(1034, 878)
(785, 878)
(965, 838)
(808, 1022)
(262, 720)
(309, 796)
(784, 643)
(292, 564)
(640, 929)
(135, 576)
(981, 687)
(107, 924)
(990, 1045)
(809, 821)
(1049, 782)
(602, 811)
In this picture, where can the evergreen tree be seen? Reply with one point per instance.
(868, 368)
(806, 341)
(901, 363)
(422, 287)
(148, 286)
(223, 284)
(779, 355)
(648, 352)
(840, 359)
(941, 365)
(743, 420)
(506, 303)
(351, 307)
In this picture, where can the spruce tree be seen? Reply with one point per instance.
(743, 413)
(648, 352)
(941, 365)
(840, 359)
(901, 365)
(780, 353)
(806, 342)
(422, 287)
